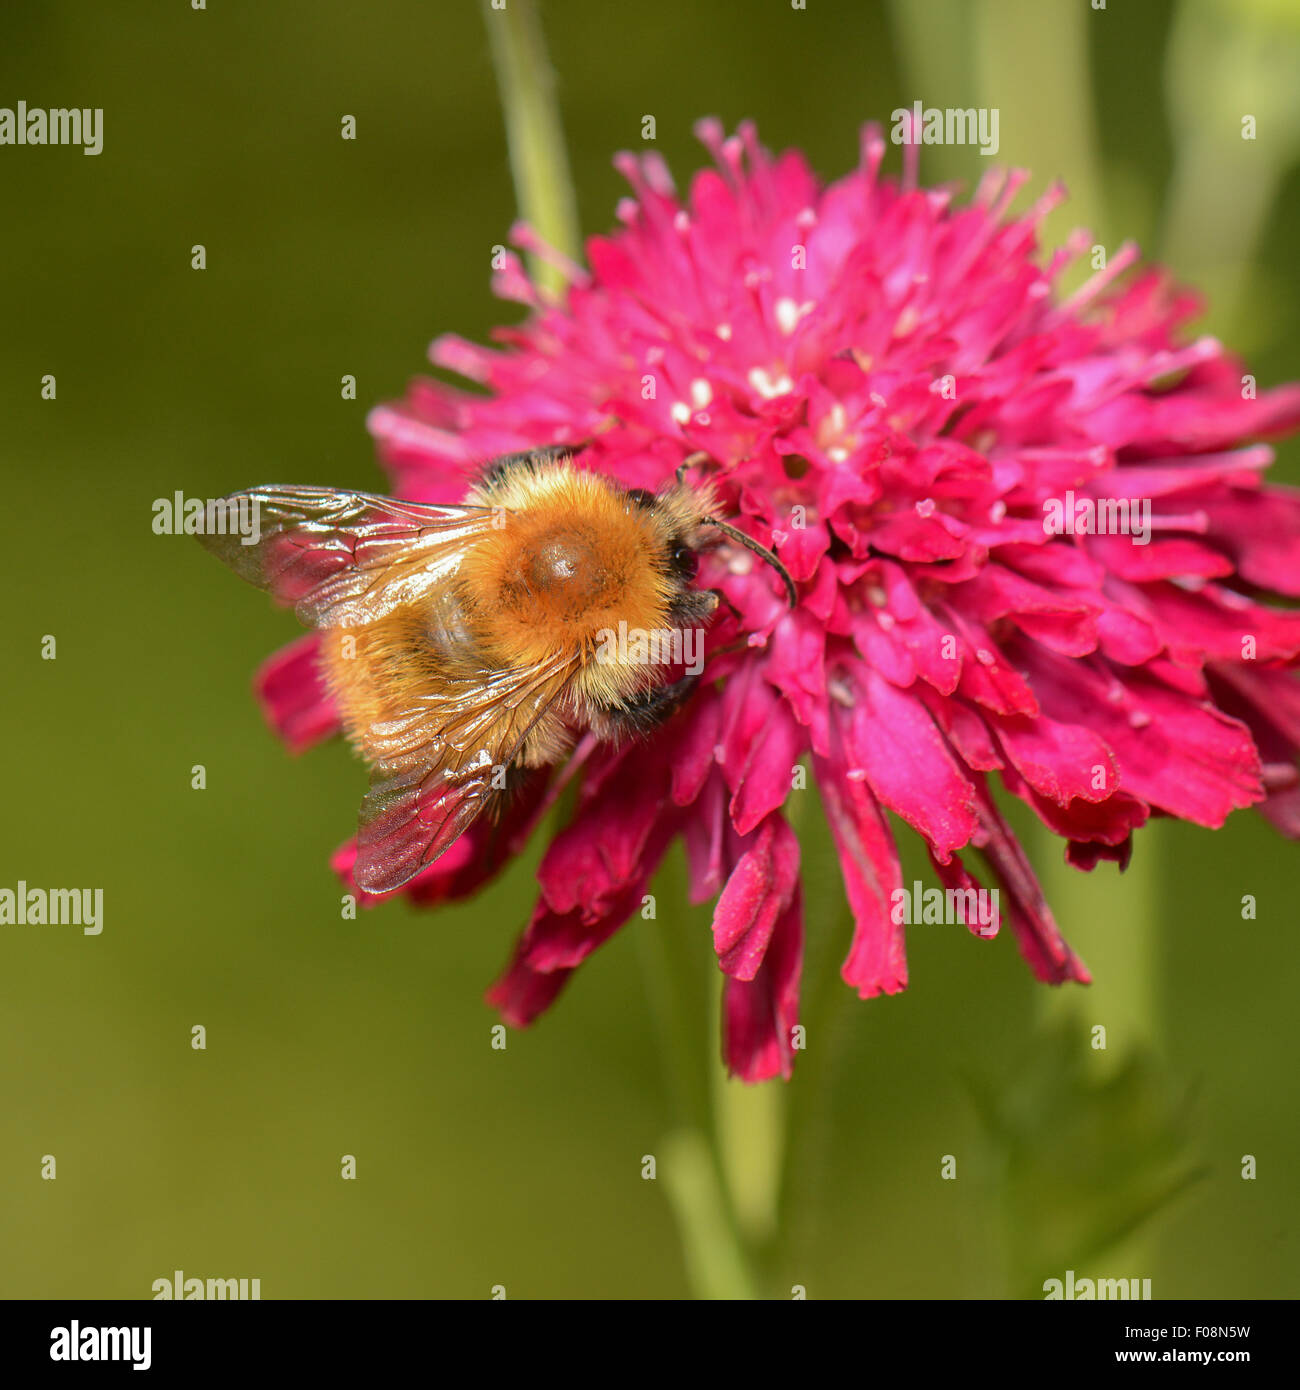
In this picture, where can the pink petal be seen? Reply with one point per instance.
(1036, 932)
(877, 959)
(760, 1014)
(889, 739)
(293, 697)
(757, 892)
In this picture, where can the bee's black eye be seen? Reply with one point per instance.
(639, 497)
(684, 561)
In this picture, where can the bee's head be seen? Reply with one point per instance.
(682, 515)
(676, 524)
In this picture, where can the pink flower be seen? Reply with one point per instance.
(896, 396)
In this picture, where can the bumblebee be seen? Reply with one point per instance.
(465, 644)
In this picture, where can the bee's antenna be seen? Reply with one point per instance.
(701, 456)
(751, 544)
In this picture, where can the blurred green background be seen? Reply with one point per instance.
(328, 1037)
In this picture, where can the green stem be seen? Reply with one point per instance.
(1032, 64)
(538, 161)
(749, 1123)
(823, 1013)
(717, 1263)
(1226, 63)
(682, 985)
(933, 43)
(1113, 922)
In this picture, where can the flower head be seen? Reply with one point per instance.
(897, 398)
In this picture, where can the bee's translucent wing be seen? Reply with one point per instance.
(439, 768)
(344, 558)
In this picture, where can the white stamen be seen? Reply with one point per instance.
(767, 385)
(788, 314)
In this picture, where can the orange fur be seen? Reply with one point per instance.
(567, 561)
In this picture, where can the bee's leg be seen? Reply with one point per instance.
(720, 597)
(644, 711)
(700, 456)
(694, 606)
